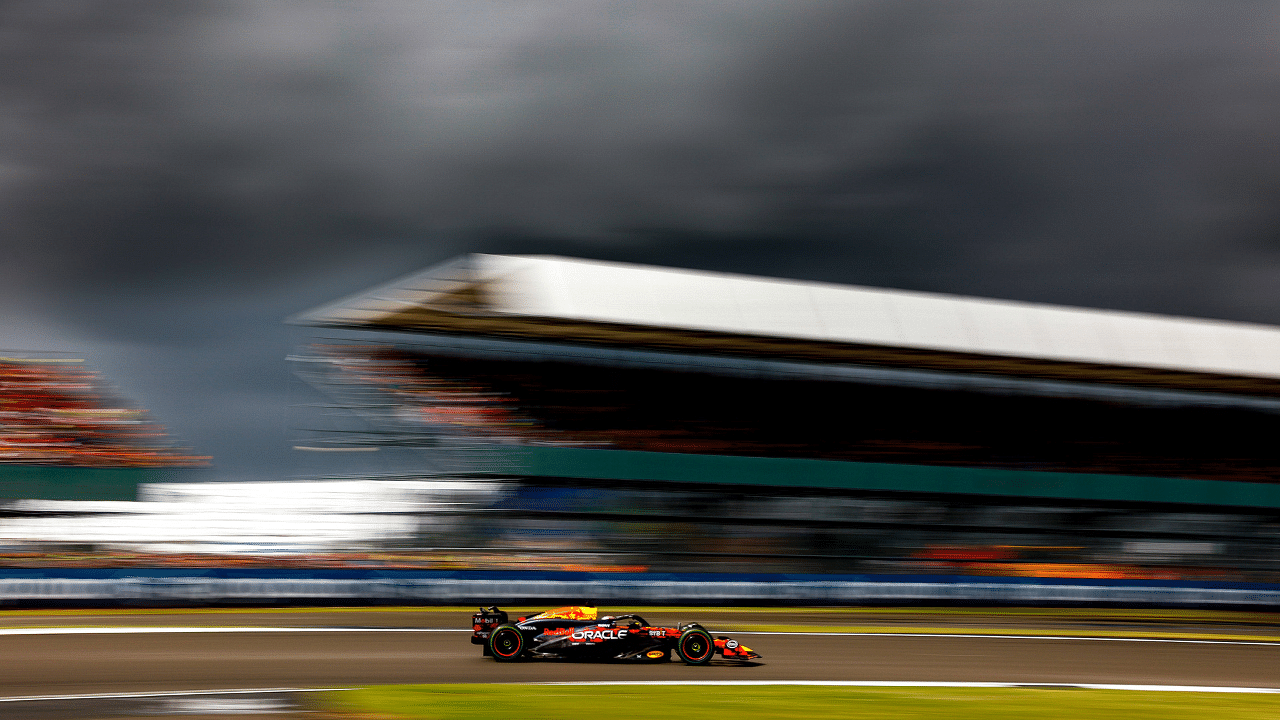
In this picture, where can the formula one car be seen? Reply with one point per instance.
(574, 632)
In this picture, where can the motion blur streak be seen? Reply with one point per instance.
(177, 177)
(56, 411)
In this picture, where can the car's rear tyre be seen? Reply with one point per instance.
(506, 643)
(695, 647)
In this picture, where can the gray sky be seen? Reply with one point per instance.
(177, 178)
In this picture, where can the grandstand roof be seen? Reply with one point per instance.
(587, 301)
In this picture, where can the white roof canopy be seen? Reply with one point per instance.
(640, 306)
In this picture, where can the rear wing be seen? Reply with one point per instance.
(485, 621)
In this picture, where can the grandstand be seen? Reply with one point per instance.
(66, 435)
(725, 421)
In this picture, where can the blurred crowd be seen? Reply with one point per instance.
(415, 397)
(59, 412)
(407, 400)
(455, 524)
(419, 397)
(780, 532)
(522, 559)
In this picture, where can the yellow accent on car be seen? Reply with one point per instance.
(570, 612)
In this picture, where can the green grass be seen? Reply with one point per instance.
(416, 702)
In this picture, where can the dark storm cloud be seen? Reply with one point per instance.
(181, 176)
(241, 141)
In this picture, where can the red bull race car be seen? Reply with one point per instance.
(575, 633)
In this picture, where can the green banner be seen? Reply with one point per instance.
(54, 482)
(539, 461)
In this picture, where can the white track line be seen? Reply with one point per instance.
(755, 683)
(145, 630)
(166, 693)
(243, 629)
(1018, 637)
(914, 684)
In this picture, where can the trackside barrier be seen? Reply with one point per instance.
(119, 587)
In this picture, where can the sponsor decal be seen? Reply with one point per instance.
(655, 654)
(731, 644)
(598, 634)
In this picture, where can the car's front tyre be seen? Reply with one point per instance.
(506, 643)
(695, 647)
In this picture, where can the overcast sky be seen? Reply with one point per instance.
(176, 178)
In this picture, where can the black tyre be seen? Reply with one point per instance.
(695, 647)
(506, 643)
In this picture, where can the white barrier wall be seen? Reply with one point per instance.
(202, 590)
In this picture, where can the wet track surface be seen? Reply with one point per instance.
(357, 649)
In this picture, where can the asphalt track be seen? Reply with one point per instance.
(72, 654)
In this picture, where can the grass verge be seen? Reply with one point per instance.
(450, 702)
